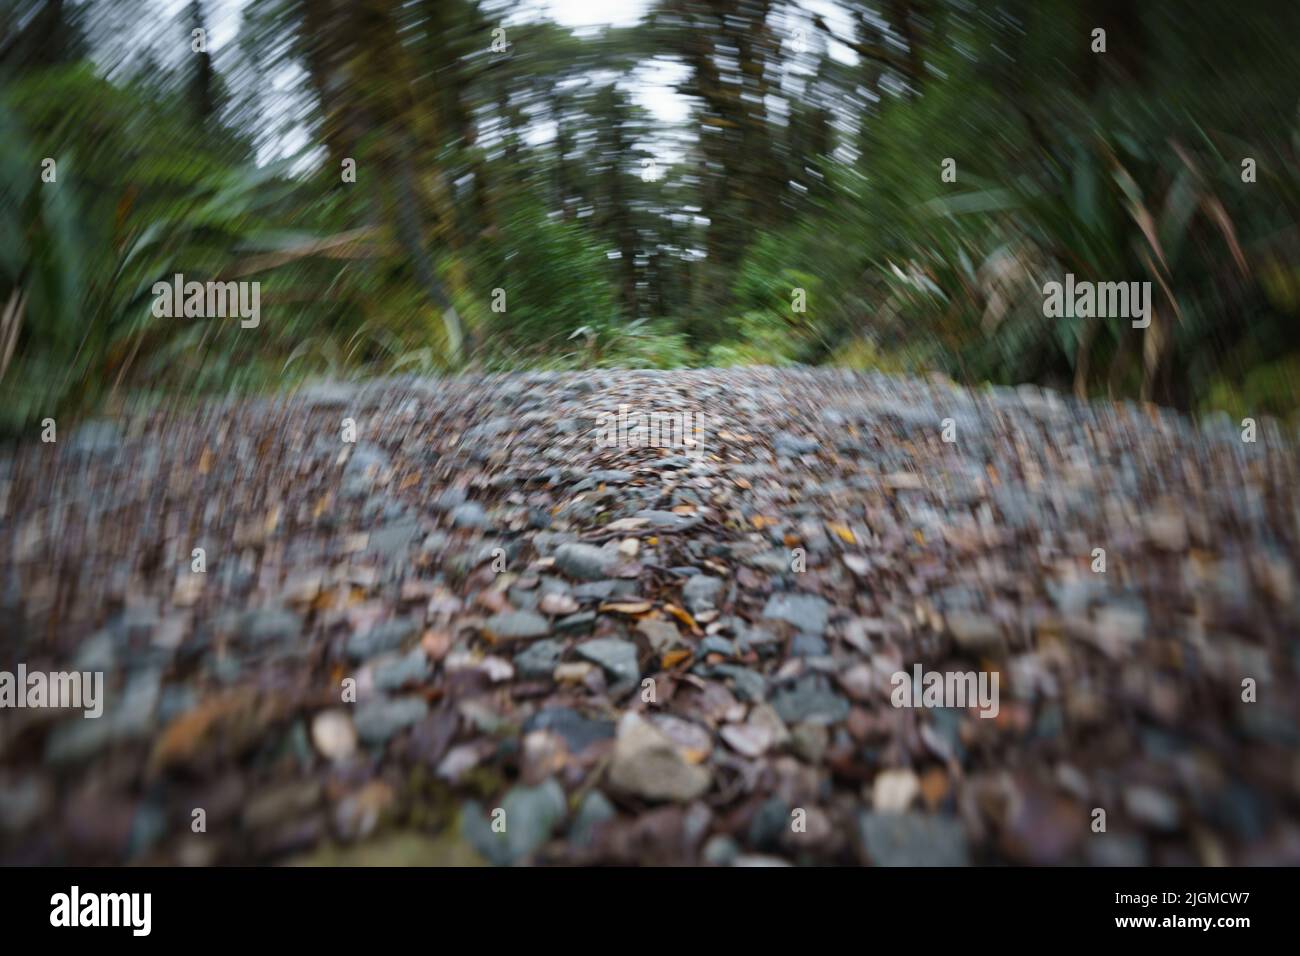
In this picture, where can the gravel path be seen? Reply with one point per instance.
(496, 628)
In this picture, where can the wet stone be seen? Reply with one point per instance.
(702, 592)
(584, 561)
(378, 720)
(617, 657)
(538, 660)
(807, 612)
(517, 626)
(411, 668)
(387, 636)
(913, 839)
(579, 732)
(810, 700)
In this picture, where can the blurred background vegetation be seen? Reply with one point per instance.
(498, 149)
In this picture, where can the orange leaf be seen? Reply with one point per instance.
(627, 607)
(672, 658)
(684, 617)
(844, 533)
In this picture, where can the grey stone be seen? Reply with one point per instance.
(701, 592)
(383, 637)
(721, 851)
(810, 700)
(668, 520)
(518, 626)
(392, 540)
(913, 839)
(787, 443)
(647, 764)
(749, 684)
(595, 591)
(973, 632)
(807, 612)
(411, 668)
(270, 624)
(538, 660)
(808, 645)
(584, 561)
(532, 814)
(717, 645)
(77, 739)
(449, 498)
(378, 720)
(769, 824)
(617, 657)
(594, 810)
(95, 438)
(580, 623)
(579, 732)
(469, 515)
(611, 476)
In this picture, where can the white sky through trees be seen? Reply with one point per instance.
(652, 84)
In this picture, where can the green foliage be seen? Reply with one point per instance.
(556, 279)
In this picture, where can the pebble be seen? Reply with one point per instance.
(893, 791)
(973, 632)
(1153, 808)
(807, 612)
(913, 839)
(810, 700)
(646, 764)
(471, 514)
(378, 720)
(701, 592)
(517, 626)
(578, 732)
(531, 815)
(411, 668)
(386, 636)
(594, 810)
(333, 734)
(538, 659)
(617, 657)
(585, 562)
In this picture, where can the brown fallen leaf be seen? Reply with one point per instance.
(219, 728)
(627, 607)
(843, 533)
(684, 617)
(672, 658)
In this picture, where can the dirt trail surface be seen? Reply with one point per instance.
(483, 633)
